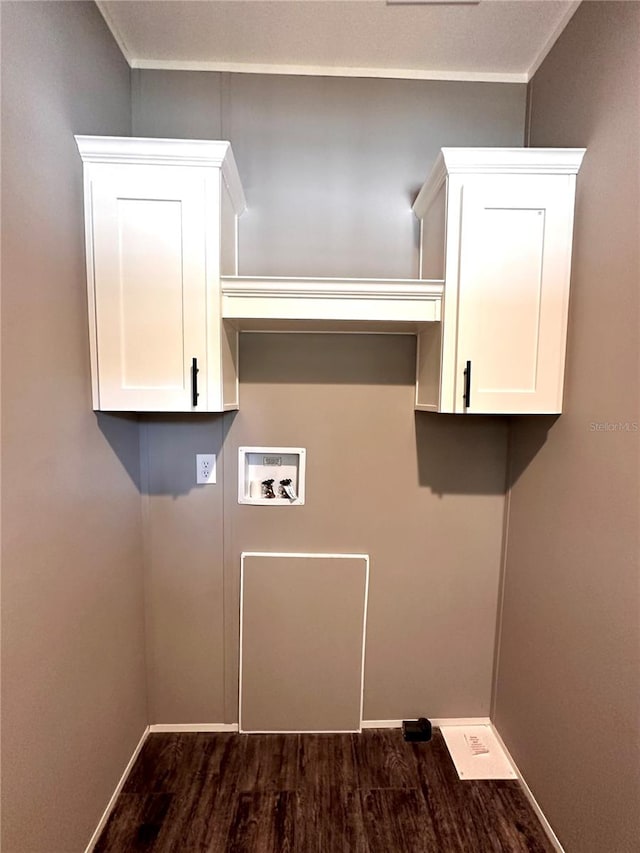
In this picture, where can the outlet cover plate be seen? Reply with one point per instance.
(205, 469)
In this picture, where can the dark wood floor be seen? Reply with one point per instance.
(362, 793)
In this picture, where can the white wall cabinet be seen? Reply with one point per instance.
(161, 230)
(166, 303)
(497, 225)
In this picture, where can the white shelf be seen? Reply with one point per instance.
(259, 303)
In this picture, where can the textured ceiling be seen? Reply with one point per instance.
(488, 40)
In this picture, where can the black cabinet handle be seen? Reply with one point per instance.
(194, 382)
(467, 386)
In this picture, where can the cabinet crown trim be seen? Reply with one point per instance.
(302, 304)
(335, 288)
(166, 152)
(496, 161)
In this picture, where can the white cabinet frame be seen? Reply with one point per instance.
(530, 195)
(161, 229)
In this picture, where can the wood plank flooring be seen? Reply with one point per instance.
(360, 793)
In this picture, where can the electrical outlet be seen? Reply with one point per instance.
(205, 468)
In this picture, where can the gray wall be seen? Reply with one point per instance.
(73, 705)
(422, 494)
(330, 168)
(568, 687)
(183, 570)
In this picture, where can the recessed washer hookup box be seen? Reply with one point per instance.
(271, 476)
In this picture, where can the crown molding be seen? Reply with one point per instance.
(329, 71)
(496, 161)
(517, 77)
(166, 152)
(115, 32)
(553, 37)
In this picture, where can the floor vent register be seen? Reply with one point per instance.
(476, 753)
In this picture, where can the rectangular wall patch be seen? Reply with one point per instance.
(302, 638)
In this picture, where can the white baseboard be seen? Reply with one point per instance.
(193, 727)
(105, 816)
(436, 722)
(366, 724)
(553, 838)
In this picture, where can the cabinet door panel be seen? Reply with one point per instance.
(513, 294)
(149, 256)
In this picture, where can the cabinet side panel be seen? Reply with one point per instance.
(433, 237)
(302, 641)
(450, 394)
(428, 363)
(214, 238)
(229, 345)
(228, 335)
(228, 236)
(91, 290)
